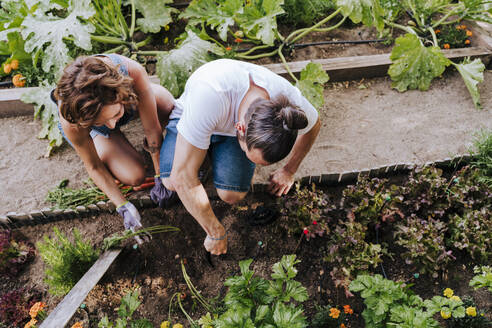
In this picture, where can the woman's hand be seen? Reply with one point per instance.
(281, 181)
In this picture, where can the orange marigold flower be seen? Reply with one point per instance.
(238, 40)
(463, 27)
(467, 41)
(438, 31)
(446, 46)
(342, 325)
(347, 309)
(78, 325)
(229, 48)
(469, 33)
(334, 313)
(38, 306)
(31, 323)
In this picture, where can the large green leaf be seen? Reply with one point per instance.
(472, 74)
(288, 316)
(155, 14)
(414, 65)
(175, 66)
(260, 19)
(369, 12)
(42, 30)
(479, 10)
(313, 77)
(219, 16)
(47, 112)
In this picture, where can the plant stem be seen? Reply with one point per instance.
(132, 25)
(434, 37)
(439, 22)
(401, 27)
(265, 46)
(149, 52)
(321, 22)
(281, 55)
(108, 39)
(258, 56)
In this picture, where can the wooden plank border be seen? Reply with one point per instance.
(64, 311)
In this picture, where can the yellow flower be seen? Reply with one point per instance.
(166, 39)
(334, 313)
(455, 298)
(31, 323)
(445, 315)
(448, 292)
(36, 308)
(165, 324)
(166, 28)
(178, 325)
(77, 325)
(471, 311)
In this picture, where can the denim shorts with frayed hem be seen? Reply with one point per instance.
(232, 170)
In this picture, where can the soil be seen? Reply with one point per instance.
(366, 124)
(155, 268)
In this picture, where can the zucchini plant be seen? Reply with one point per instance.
(416, 57)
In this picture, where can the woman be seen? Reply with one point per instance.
(98, 94)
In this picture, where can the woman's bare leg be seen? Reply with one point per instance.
(121, 159)
(164, 101)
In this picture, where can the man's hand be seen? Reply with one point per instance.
(216, 245)
(131, 220)
(281, 181)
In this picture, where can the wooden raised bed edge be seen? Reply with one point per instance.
(14, 220)
(339, 69)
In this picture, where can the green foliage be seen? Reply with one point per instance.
(424, 244)
(482, 157)
(128, 306)
(331, 317)
(349, 252)
(472, 317)
(117, 238)
(15, 253)
(175, 66)
(155, 14)
(305, 12)
(453, 35)
(305, 206)
(47, 112)
(15, 305)
(472, 232)
(313, 78)
(482, 278)
(472, 74)
(256, 302)
(414, 65)
(66, 261)
(62, 197)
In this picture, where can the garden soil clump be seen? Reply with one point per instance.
(365, 124)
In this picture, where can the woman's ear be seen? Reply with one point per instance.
(241, 128)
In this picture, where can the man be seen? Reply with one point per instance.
(242, 114)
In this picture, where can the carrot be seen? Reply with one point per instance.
(149, 179)
(144, 186)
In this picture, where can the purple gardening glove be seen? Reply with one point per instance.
(161, 195)
(131, 220)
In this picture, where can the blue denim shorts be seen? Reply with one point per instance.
(232, 170)
(102, 130)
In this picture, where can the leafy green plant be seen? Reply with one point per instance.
(129, 304)
(482, 157)
(304, 12)
(454, 36)
(471, 232)
(423, 241)
(305, 206)
(66, 261)
(257, 302)
(15, 253)
(392, 304)
(63, 197)
(348, 250)
(482, 278)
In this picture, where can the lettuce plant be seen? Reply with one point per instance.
(15, 253)
(15, 305)
(128, 306)
(482, 278)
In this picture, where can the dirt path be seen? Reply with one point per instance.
(365, 125)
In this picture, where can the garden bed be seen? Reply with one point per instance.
(155, 267)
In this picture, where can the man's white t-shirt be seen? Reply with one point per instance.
(210, 102)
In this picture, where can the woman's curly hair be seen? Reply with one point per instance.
(87, 85)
